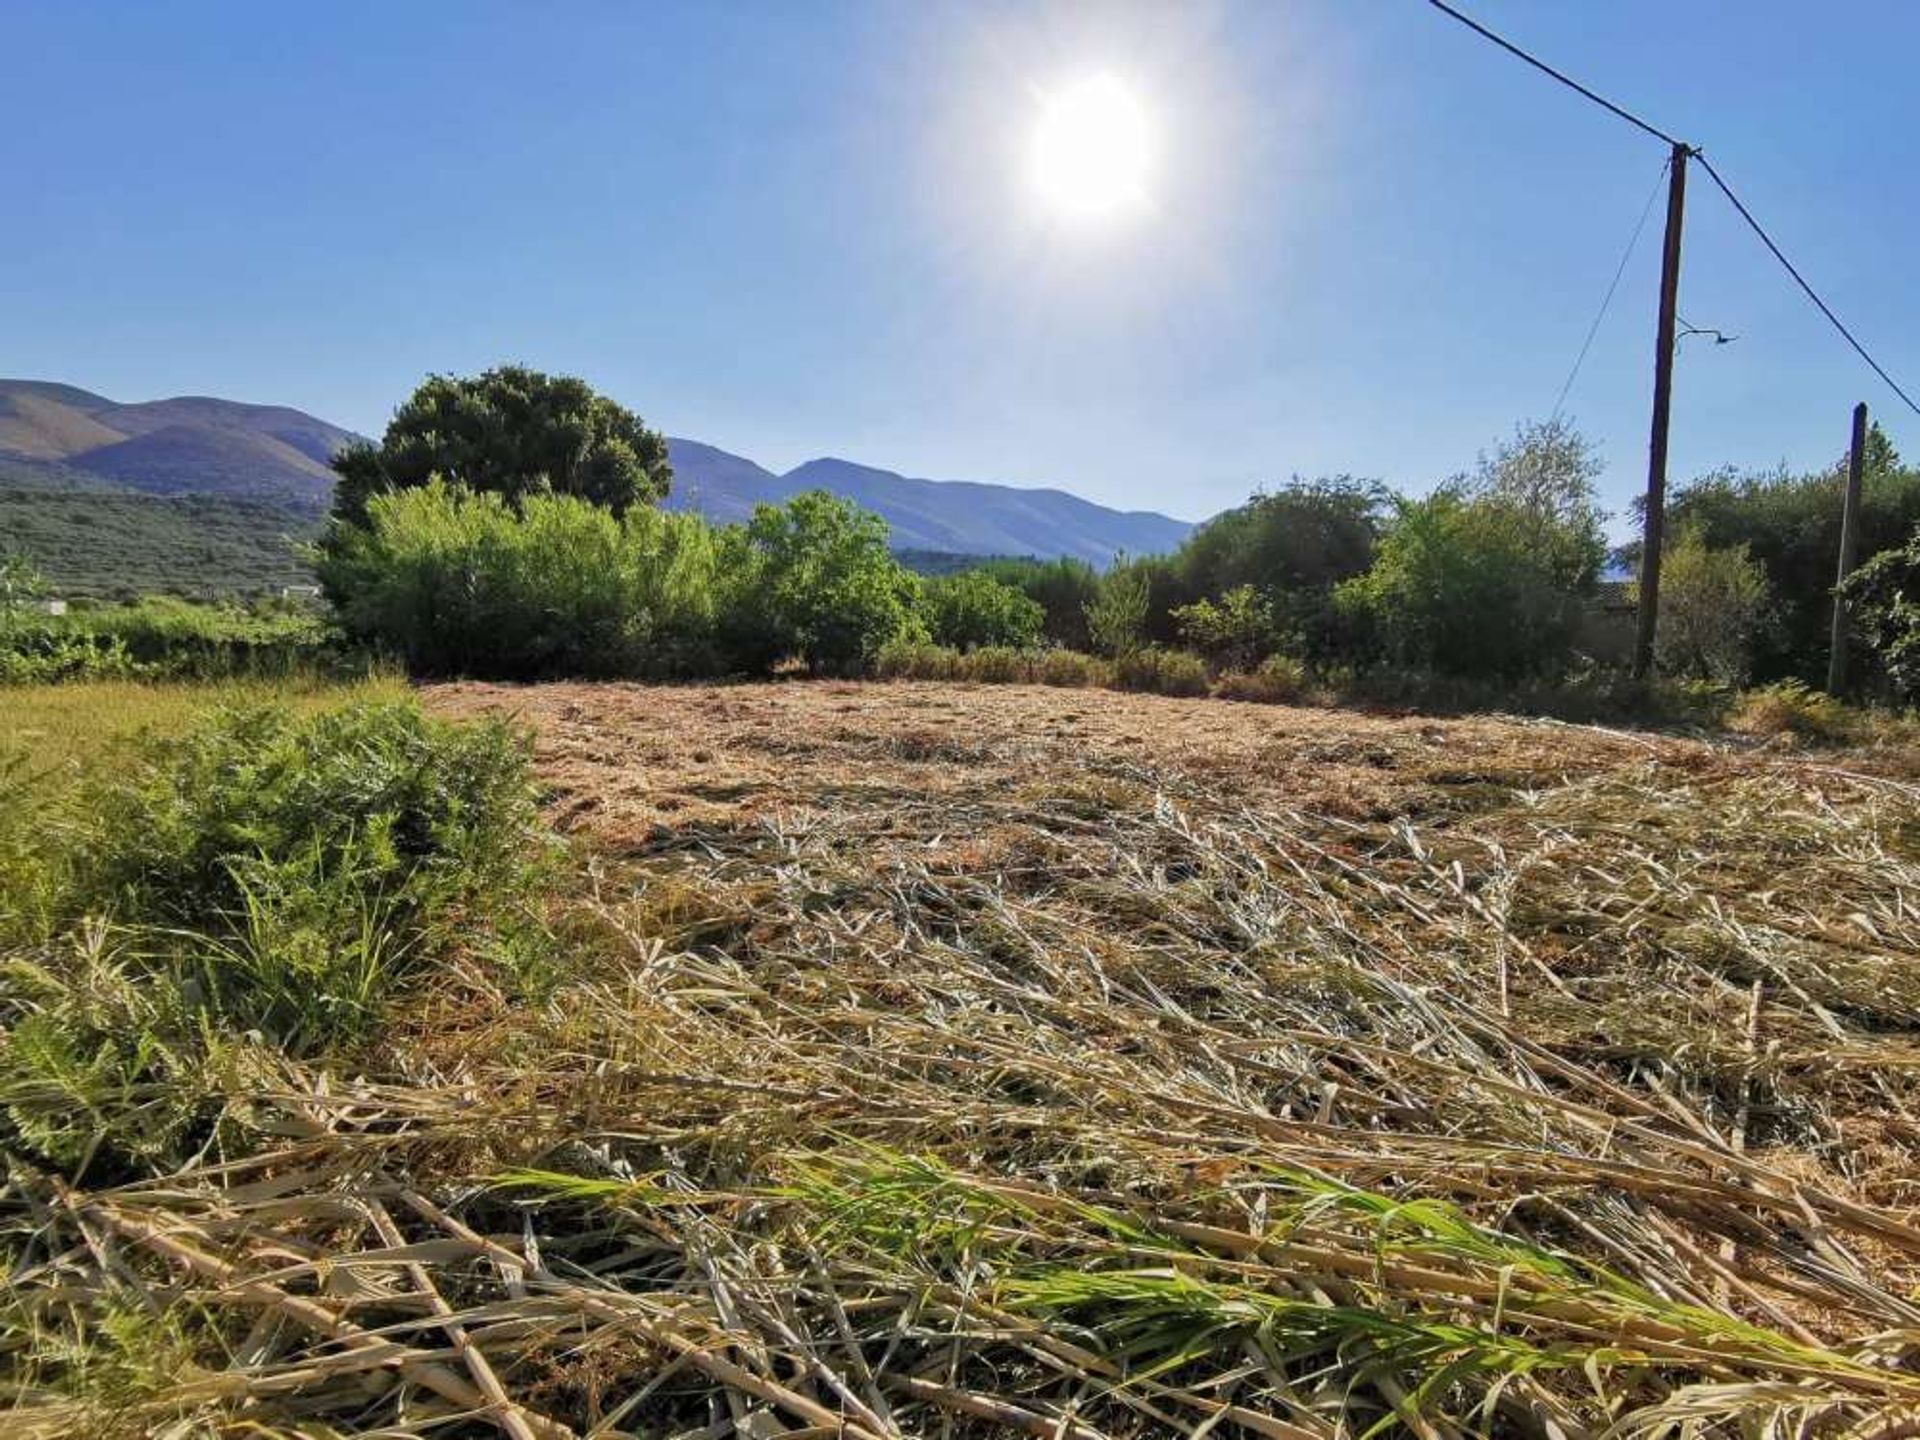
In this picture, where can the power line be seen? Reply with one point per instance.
(1801, 281)
(1544, 68)
(1713, 174)
(1594, 329)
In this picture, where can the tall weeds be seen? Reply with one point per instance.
(262, 879)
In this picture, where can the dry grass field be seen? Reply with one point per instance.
(1078, 1063)
(924, 1060)
(624, 759)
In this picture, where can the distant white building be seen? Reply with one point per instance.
(299, 592)
(51, 607)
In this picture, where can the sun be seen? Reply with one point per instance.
(1092, 149)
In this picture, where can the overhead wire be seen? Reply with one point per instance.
(1725, 189)
(1801, 281)
(1607, 300)
(1546, 69)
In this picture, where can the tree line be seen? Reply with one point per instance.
(508, 524)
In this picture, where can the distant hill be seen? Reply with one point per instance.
(198, 493)
(121, 543)
(954, 516)
(193, 444)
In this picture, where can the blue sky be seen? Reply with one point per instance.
(794, 229)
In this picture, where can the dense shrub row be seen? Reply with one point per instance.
(461, 583)
(1784, 708)
(1491, 577)
(1487, 586)
(1494, 580)
(1788, 525)
(1151, 669)
(161, 637)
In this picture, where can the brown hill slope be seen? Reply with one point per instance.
(191, 444)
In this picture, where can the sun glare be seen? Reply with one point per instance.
(1091, 149)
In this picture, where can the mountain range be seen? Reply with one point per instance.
(261, 470)
(962, 517)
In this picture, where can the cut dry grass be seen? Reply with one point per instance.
(945, 1062)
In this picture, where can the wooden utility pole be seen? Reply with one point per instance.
(1655, 524)
(1849, 541)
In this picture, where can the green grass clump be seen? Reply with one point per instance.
(1790, 708)
(911, 659)
(1162, 672)
(1277, 680)
(266, 876)
(992, 665)
(420, 811)
(1072, 668)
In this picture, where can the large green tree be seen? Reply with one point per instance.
(1472, 584)
(1292, 546)
(1489, 575)
(513, 432)
(1543, 480)
(1307, 536)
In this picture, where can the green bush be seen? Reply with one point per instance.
(813, 581)
(1233, 632)
(1883, 596)
(999, 665)
(1473, 586)
(1790, 525)
(263, 876)
(160, 637)
(1697, 702)
(1291, 546)
(1073, 668)
(1062, 588)
(914, 659)
(425, 814)
(44, 655)
(1587, 695)
(972, 609)
(1713, 603)
(1306, 536)
(992, 665)
(459, 583)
